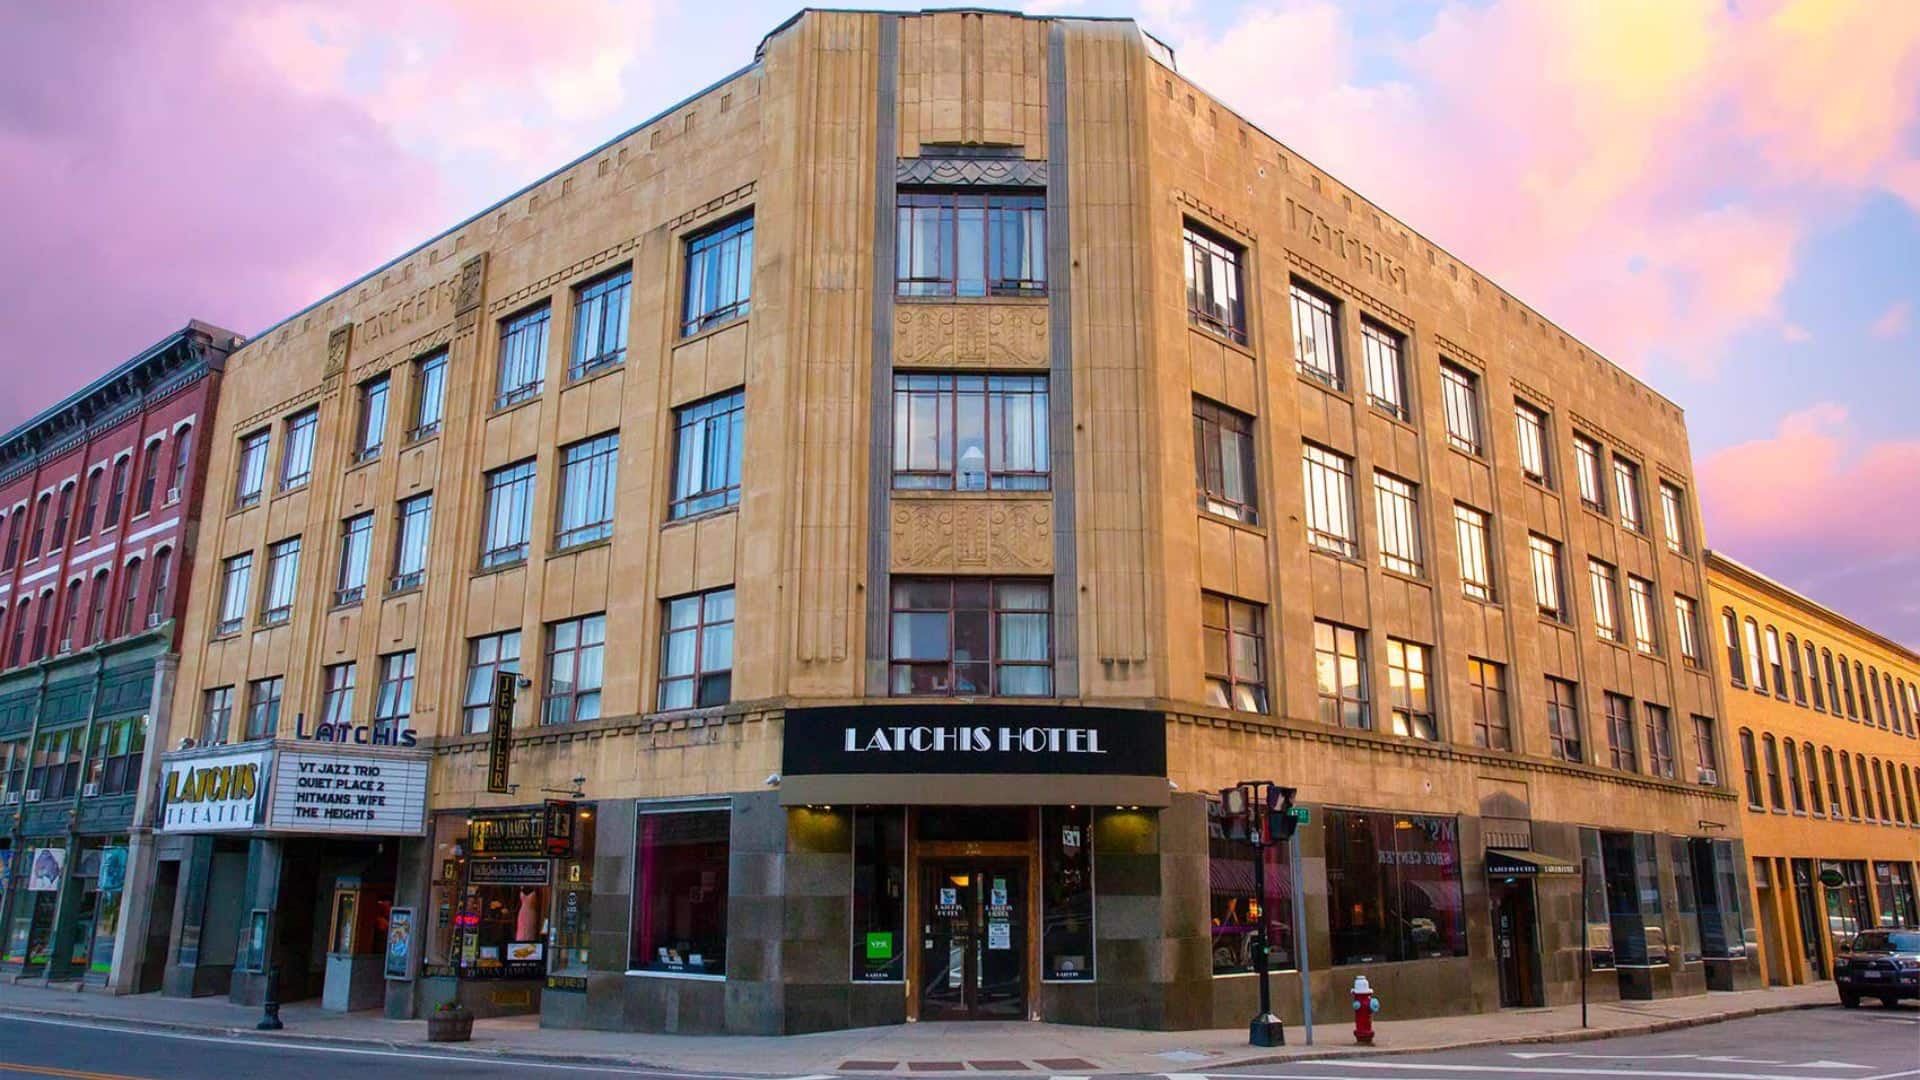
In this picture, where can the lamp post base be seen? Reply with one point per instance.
(1266, 1031)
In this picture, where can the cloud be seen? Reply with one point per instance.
(1795, 334)
(1893, 322)
(1824, 511)
(1645, 173)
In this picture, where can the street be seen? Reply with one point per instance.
(1864, 1044)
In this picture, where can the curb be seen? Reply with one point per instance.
(505, 1055)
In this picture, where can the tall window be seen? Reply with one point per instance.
(1530, 426)
(1799, 676)
(1340, 669)
(21, 619)
(296, 450)
(1626, 491)
(706, 457)
(336, 694)
(1646, 634)
(1214, 284)
(719, 276)
(250, 475)
(1622, 753)
(1770, 751)
(13, 539)
(253, 453)
(1563, 720)
(1774, 666)
(1736, 662)
(43, 625)
(429, 395)
(1409, 694)
(182, 462)
(1659, 740)
(486, 656)
(1316, 336)
(1606, 608)
(1460, 397)
(1791, 757)
(62, 515)
(1487, 697)
(1386, 373)
(372, 434)
(600, 323)
(1223, 460)
(680, 891)
(97, 608)
(89, 506)
(1749, 764)
(70, 624)
(1476, 552)
(508, 525)
(263, 707)
(575, 670)
(696, 651)
(523, 357)
(1331, 524)
(38, 541)
(1673, 517)
(1233, 634)
(1397, 503)
(216, 714)
(129, 599)
(1686, 629)
(1833, 784)
(393, 701)
(161, 576)
(1846, 683)
(1813, 676)
(971, 243)
(589, 475)
(356, 549)
(962, 636)
(1853, 797)
(1586, 465)
(149, 481)
(283, 567)
(1755, 672)
(970, 432)
(1706, 751)
(1548, 577)
(415, 523)
(236, 575)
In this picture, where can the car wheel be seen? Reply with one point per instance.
(1850, 1001)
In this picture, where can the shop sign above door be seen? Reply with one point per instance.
(1023, 739)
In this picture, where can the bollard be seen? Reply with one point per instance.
(270, 1019)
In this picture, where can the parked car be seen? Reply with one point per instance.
(1882, 964)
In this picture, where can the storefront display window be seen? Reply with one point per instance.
(1893, 882)
(449, 859)
(1685, 895)
(680, 891)
(1393, 887)
(573, 898)
(1066, 893)
(879, 894)
(1631, 869)
(1847, 910)
(1235, 911)
(1717, 886)
(1599, 926)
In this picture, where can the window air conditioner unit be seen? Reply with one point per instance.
(9, 798)
(33, 794)
(66, 644)
(89, 790)
(154, 618)
(1709, 777)
(173, 495)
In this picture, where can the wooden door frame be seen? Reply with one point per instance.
(919, 853)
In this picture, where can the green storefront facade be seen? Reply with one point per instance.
(73, 736)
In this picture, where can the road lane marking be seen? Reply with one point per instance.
(67, 1074)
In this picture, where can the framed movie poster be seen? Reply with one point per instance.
(400, 943)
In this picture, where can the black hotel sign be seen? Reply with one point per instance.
(1029, 739)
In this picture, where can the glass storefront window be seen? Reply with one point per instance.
(1893, 882)
(1717, 889)
(1235, 911)
(572, 916)
(1393, 887)
(1686, 898)
(1066, 893)
(1631, 868)
(449, 848)
(879, 943)
(1599, 926)
(680, 891)
(1847, 910)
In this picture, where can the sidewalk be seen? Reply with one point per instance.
(1042, 1048)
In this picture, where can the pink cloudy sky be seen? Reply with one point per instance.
(1721, 195)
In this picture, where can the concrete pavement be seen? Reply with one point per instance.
(1011, 1047)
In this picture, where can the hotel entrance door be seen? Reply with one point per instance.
(973, 938)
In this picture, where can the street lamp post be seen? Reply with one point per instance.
(1255, 802)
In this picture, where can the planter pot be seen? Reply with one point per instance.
(456, 1026)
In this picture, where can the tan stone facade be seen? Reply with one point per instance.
(840, 117)
(1822, 715)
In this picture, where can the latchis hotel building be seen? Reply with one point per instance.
(906, 481)
(1824, 714)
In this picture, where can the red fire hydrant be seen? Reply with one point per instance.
(1364, 1006)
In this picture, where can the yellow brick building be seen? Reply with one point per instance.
(905, 480)
(1823, 712)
